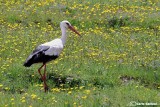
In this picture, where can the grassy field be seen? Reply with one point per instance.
(115, 63)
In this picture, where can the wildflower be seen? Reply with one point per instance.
(12, 99)
(33, 96)
(41, 85)
(1, 85)
(6, 88)
(56, 62)
(67, 12)
(74, 103)
(23, 97)
(87, 91)
(84, 97)
(23, 101)
(56, 90)
(69, 92)
(81, 87)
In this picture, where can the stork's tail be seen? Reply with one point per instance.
(27, 64)
(28, 61)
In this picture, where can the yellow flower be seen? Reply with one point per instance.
(39, 98)
(41, 85)
(84, 97)
(81, 87)
(6, 88)
(69, 92)
(12, 99)
(67, 12)
(33, 96)
(87, 91)
(23, 97)
(1, 85)
(56, 90)
(23, 101)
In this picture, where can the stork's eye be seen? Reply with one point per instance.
(67, 24)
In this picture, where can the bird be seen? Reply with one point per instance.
(49, 51)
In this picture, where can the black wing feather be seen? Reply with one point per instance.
(35, 55)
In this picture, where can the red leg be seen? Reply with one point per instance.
(39, 70)
(44, 76)
(44, 79)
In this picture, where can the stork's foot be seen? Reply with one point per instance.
(46, 88)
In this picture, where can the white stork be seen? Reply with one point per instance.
(49, 51)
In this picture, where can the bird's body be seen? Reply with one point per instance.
(49, 51)
(45, 52)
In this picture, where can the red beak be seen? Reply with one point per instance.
(73, 29)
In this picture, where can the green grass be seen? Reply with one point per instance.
(115, 62)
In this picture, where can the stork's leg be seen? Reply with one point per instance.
(44, 79)
(39, 71)
(44, 76)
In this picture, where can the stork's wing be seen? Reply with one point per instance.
(36, 51)
(40, 49)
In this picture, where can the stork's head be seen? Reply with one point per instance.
(65, 25)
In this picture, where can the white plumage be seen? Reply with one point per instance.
(56, 46)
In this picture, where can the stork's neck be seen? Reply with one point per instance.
(64, 35)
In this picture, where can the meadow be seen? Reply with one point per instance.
(116, 62)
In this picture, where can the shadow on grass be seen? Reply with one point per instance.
(22, 82)
(125, 79)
